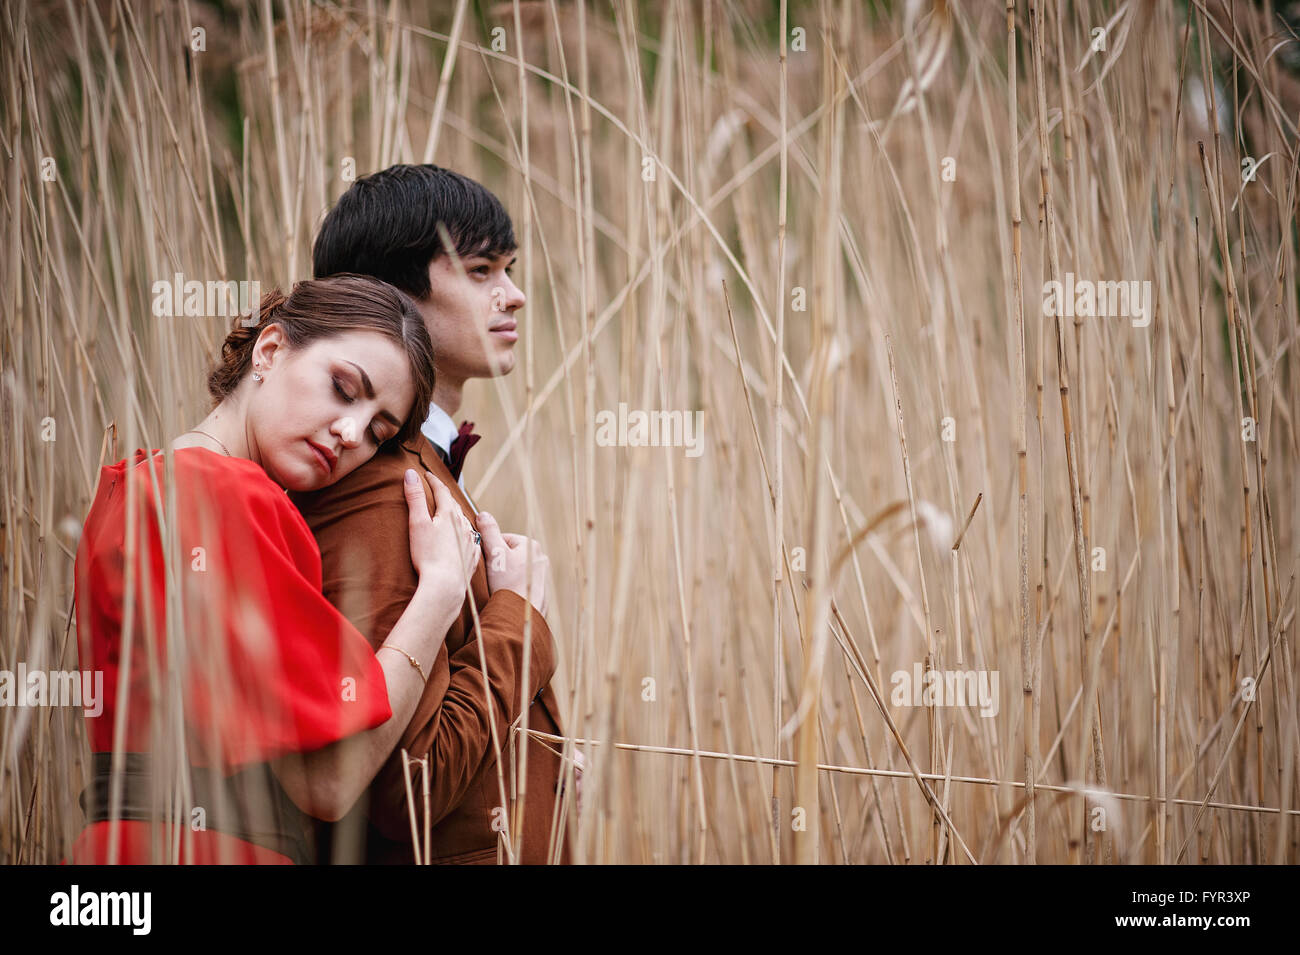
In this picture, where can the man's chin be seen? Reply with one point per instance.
(502, 365)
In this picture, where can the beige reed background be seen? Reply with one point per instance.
(744, 209)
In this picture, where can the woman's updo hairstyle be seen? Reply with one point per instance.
(323, 308)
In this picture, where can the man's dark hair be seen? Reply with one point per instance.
(386, 225)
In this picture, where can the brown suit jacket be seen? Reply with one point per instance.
(361, 526)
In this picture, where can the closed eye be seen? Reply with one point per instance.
(372, 434)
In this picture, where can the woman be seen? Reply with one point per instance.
(250, 702)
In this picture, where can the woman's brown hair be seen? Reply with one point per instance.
(323, 308)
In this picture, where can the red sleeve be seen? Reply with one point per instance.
(290, 673)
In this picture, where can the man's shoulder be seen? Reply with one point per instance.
(380, 478)
(390, 460)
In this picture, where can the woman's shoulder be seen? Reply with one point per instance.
(207, 482)
(237, 487)
(239, 478)
(228, 507)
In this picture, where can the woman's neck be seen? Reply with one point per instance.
(222, 430)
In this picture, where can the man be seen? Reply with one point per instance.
(390, 225)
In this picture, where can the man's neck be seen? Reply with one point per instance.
(447, 395)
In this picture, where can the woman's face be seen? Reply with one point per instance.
(322, 410)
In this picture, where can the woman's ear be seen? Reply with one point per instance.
(271, 344)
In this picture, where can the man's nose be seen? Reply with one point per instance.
(514, 297)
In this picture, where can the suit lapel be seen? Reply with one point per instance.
(433, 461)
(423, 448)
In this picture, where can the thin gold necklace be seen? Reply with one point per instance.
(213, 437)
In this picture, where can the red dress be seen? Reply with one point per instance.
(264, 664)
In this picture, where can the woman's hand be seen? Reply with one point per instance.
(443, 548)
(508, 565)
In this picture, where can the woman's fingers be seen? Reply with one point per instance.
(443, 501)
(451, 511)
(515, 540)
(422, 529)
(446, 542)
(491, 531)
(415, 501)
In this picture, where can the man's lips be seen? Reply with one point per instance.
(324, 456)
(506, 330)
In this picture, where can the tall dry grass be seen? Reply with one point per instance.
(742, 208)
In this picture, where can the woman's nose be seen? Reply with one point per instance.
(347, 430)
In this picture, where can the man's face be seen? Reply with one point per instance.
(470, 314)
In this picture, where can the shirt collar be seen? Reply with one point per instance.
(439, 428)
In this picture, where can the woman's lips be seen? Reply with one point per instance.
(324, 461)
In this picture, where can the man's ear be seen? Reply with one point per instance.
(270, 347)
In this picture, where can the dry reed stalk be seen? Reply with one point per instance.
(410, 805)
(927, 777)
(1028, 668)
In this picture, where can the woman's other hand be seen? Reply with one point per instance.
(508, 566)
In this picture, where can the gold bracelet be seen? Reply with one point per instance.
(414, 662)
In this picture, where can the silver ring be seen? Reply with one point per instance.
(478, 538)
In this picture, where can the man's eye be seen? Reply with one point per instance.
(480, 270)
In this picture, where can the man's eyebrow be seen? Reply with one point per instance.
(494, 257)
(370, 393)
